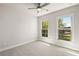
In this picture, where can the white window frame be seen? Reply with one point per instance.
(72, 26)
(41, 29)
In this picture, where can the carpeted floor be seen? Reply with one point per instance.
(36, 48)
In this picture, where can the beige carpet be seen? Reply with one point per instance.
(36, 48)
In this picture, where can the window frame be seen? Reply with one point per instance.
(72, 27)
(41, 29)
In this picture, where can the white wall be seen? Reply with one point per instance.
(17, 25)
(52, 18)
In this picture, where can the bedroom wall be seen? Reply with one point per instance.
(52, 32)
(17, 25)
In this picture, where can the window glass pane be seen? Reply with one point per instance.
(45, 28)
(64, 28)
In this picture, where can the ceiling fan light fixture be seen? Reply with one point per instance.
(39, 9)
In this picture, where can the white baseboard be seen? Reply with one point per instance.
(10, 47)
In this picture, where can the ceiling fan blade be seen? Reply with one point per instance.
(32, 8)
(45, 4)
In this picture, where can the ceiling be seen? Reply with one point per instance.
(52, 7)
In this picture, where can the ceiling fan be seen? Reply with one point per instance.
(39, 7)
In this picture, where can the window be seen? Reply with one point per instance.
(64, 28)
(45, 28)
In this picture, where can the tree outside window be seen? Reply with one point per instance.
(64, 28)
(45, 28)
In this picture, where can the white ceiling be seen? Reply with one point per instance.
(52, 7)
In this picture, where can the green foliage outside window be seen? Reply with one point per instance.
(45, 28)
(64, 28)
